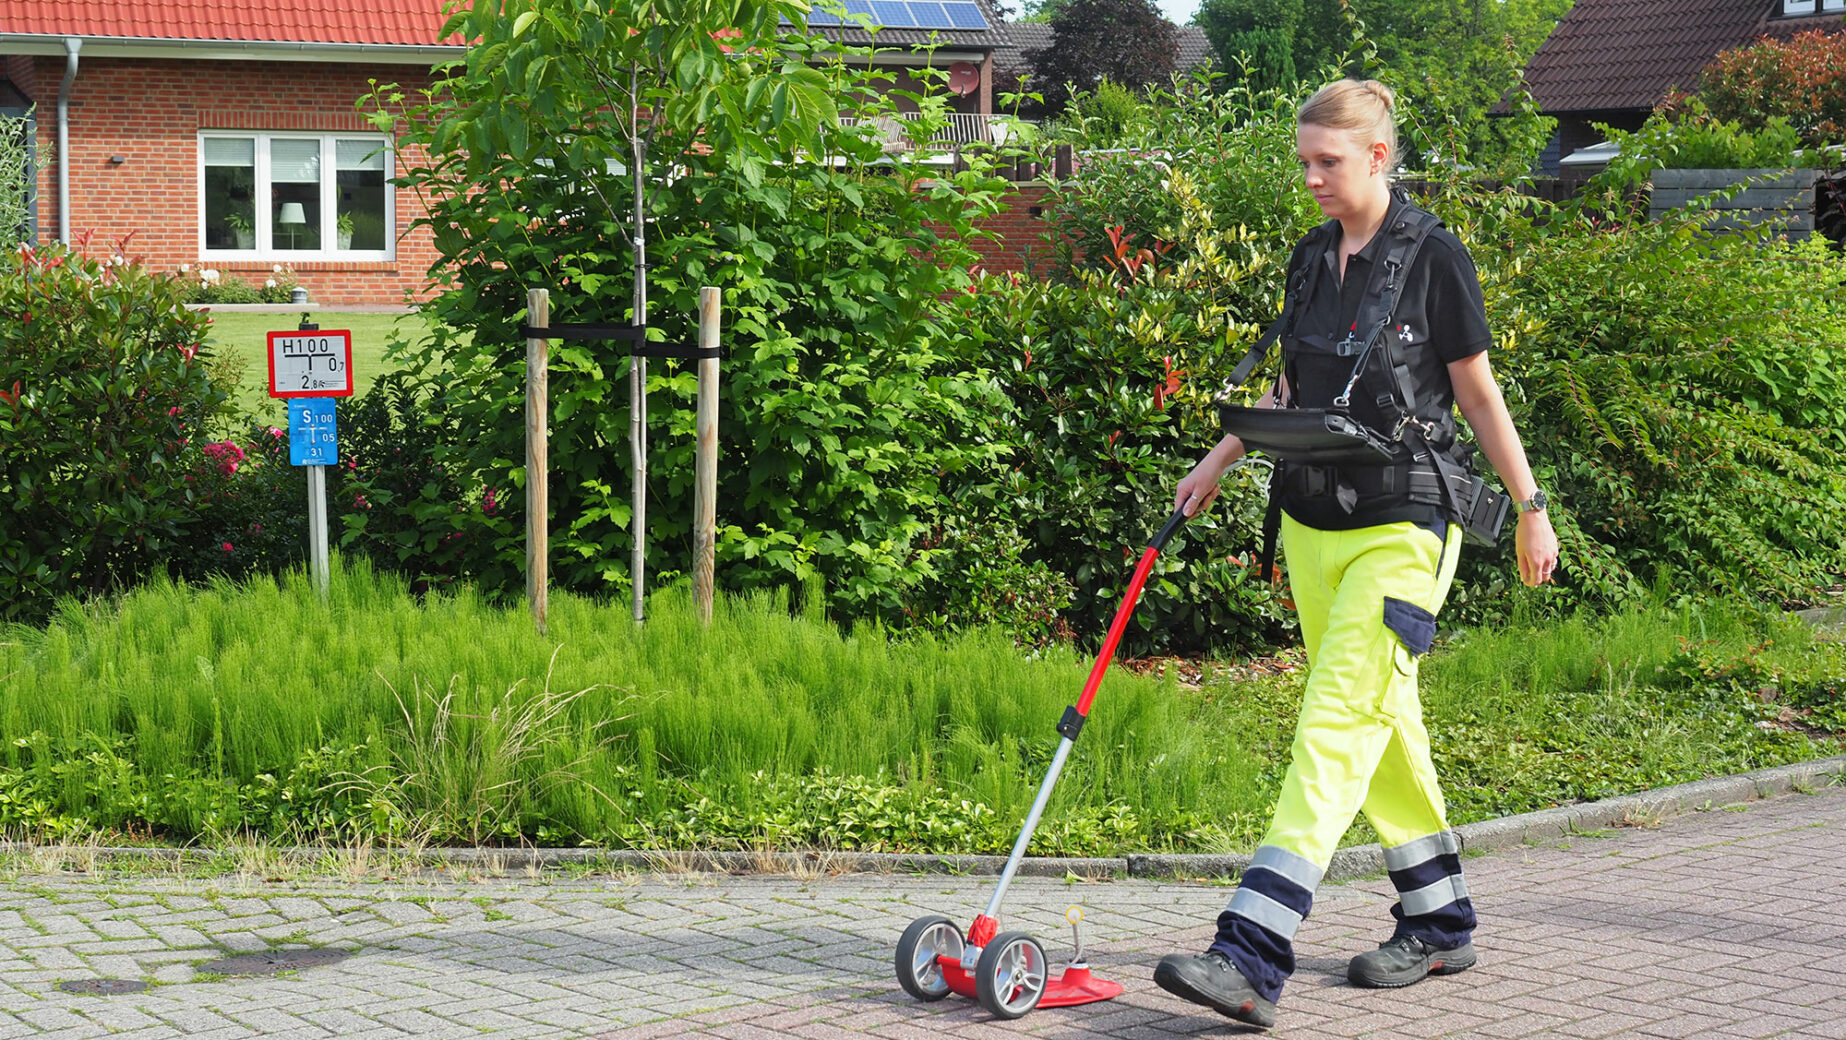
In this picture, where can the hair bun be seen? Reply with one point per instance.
(1382, 93)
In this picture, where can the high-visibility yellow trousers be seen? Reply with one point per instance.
(1367, 601)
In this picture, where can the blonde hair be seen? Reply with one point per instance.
(1362, 109)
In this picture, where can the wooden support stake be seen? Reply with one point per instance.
(705, 464)
(538, 506)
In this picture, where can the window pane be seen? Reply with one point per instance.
(1797, 6)
(294, 161)
(295, 216)
(294, 193)
(361, 209)
(360, 155)
(230, 151)
(230, 193)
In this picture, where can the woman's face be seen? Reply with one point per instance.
(1342, 176)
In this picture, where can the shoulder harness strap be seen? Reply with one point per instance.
(1292, 298)
(1408, 230)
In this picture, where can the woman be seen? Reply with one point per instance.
(1369, 562)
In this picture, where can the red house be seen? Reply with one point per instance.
(225, 133)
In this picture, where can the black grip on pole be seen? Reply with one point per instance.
(1072, 722)
(1174, 523)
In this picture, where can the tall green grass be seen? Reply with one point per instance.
(192, 712)
(236, 681)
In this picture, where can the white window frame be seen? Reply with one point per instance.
(266, 248)
(1798, 8)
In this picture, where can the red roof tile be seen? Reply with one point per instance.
(1626, 54)
(401, 22)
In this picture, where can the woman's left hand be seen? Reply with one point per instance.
(1538, 548)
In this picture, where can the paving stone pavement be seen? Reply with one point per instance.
(1722, 923)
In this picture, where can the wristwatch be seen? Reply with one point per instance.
(1535, 504)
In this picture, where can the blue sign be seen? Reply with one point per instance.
(312, 438)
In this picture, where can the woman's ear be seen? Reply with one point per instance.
(1380, 152)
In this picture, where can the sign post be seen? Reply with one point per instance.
(310, 368)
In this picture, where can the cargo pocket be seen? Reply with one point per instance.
(1414, 626)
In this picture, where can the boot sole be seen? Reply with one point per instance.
(1446, 964)
(1249, 1012)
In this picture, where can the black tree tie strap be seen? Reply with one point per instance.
(633, 334)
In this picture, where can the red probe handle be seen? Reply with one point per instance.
(1126, 610)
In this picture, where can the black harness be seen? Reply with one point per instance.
(1330, 450)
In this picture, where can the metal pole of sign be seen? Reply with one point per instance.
(705, 460)
(317, 525)
(538, 498)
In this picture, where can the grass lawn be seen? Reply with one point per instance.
(246, 337)
(258, 709)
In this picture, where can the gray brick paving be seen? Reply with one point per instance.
(1714, 924)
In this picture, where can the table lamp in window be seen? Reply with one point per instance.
(293, 218)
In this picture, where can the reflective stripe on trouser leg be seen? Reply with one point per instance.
(1360, 739)
(1257, 931)
(1432, 896)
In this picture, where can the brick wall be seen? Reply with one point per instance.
(150, 113)
(1018, 232)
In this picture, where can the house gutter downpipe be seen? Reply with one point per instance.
(71, 46)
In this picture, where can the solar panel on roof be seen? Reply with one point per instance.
(894, 14)
(964, 15)
(906, 14)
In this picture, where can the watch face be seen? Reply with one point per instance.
(1534, 504)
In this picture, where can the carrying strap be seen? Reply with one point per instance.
(1272, 527)
(1291, 299)
(1449, 470)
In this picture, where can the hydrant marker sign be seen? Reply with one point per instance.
(311, 364)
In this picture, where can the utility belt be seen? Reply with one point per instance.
(1467, 500)
(1330, 453)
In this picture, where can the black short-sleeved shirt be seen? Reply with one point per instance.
(1440, 318)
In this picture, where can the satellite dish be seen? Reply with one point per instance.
(964, 78)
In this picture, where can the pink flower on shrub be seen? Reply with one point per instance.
(226, 453)
(227, 547)
(490, 502)
(359, 502)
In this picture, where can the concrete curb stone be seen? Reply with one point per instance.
(1647, 808)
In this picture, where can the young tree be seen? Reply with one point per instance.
(1127, 42)
(841, 263)
(551, 88)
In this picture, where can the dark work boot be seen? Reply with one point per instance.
(1404, 959)
(1211, 980)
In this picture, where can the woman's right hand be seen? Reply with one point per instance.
(1197, 488)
